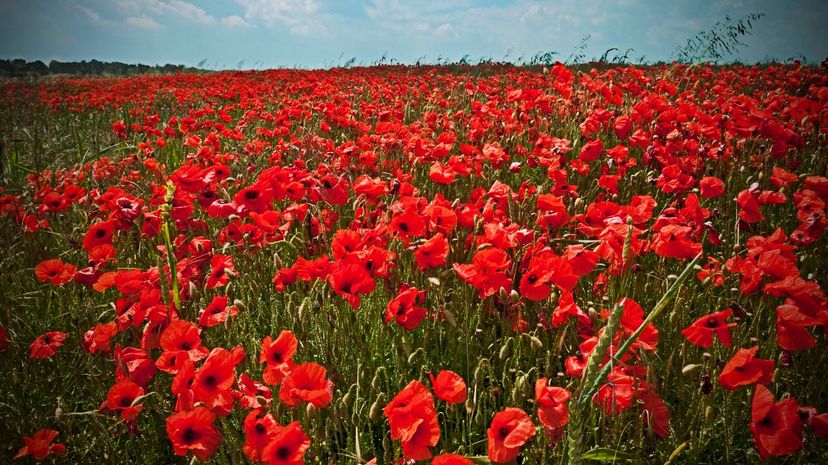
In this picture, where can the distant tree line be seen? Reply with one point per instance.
(22, 68)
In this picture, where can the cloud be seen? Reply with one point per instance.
(301, 17)
(176, 8)
(143, 22)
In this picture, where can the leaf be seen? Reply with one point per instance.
(604, 454)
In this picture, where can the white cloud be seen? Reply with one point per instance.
(177, 8)
(143, 22)
(301, 17)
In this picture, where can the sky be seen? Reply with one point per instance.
(257, 34)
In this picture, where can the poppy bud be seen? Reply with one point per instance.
(311, 409)
(705, 386)
(504, 350)
(376, 407)
(537, 344)
(689, 368)
(469, 406)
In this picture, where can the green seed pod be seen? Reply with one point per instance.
(504, 350)
(376, 407)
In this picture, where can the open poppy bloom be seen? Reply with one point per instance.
(413, 420)
(277, 355)
(55, 271)
(432, 253)
(194, 431)
(306, 383)
(745, 369)
(259, 428)
(448, 386)
(776, 426)
(350, 280)
(509, 431)
(286, 446)
(703, 330)
(553, 411)
(451, 459)
(404, 310)
(217, 312)
(121, 398)
(40, 445)
(47, 344)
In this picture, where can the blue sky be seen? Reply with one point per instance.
(320, 33)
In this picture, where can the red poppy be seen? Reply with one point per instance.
(287, 446)
(486, 272)
(213, 382)
(432, 253)
(451, 459)
(55, 271)
(121, 398)
(221, 268)
(40, 445)
(404, 310)
(413, 420)
(553, 411)
(306, 382)
(98, 234)
(617, 394)
(509, 431)
(46, 345)
(258, 430)
(134, 363)
(703, 330)
(97, 339)
(252, 394)
(193, 430)
(449, 386)
(711, 187)
(745, 369)
(277, 355)
(349, 280)
(217, 312)
(183, 336)
(776, 426)
(408, 224)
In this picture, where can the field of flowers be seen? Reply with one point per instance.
(449, 265)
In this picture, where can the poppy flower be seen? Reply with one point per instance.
(287, 446)
(277, 355)
(55, 271)
(408, 224)
(306, 382)
(404, 310)
(350, 280)
(617, 394)
(553, 411)
(509, 431)
(46, 345)
(744, 369)
(258, 430)
(121, 398)
(98, 234)
(672, 241)
(134, 363)
(711, 187)
(213, 382)
(450, 459)
(217, 312)
(40, 445)
(194, 431)
(183, 336)
(703, 330)
(432, 253)
(251, 393)
(776, 426)
(221, 268)
(97, 339)
(413, 420)
(487, 271)
(448, 386)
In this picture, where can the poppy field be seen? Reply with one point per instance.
(416, 264)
